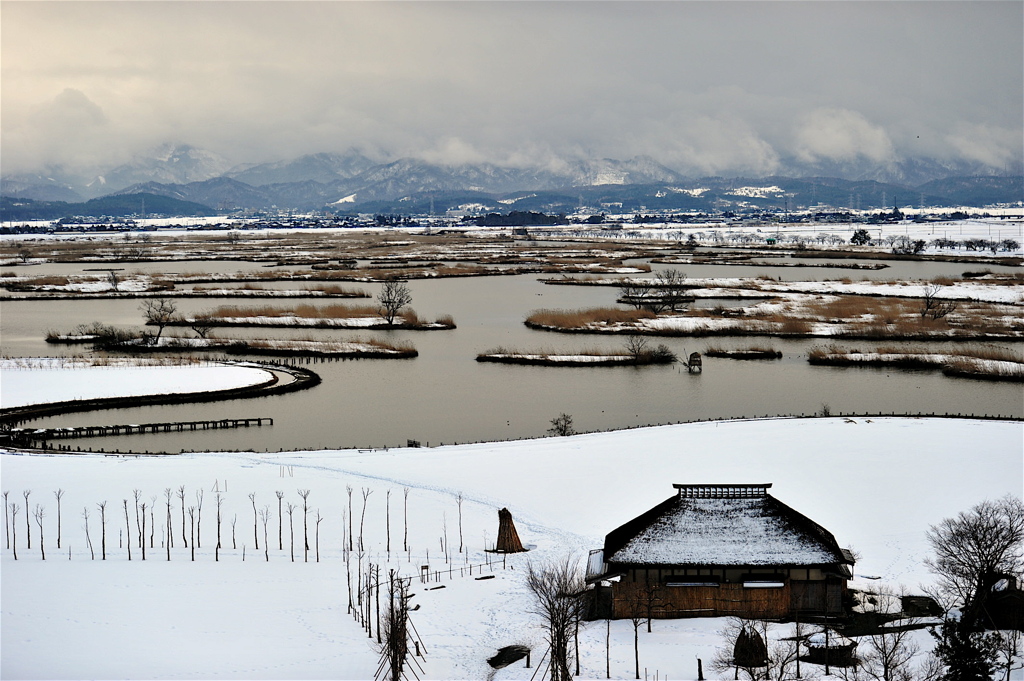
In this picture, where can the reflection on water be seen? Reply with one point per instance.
(445, 396)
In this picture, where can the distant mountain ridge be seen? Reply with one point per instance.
(353, 181)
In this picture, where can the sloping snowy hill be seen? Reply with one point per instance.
(876, 484)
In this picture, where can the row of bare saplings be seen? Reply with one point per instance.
(140, 519)
(154, 526)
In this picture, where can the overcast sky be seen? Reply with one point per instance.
(700, 86)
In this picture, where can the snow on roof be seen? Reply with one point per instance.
(722, 525)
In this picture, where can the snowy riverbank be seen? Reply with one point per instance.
(28, 381)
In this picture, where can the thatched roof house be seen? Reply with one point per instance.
(713, 550)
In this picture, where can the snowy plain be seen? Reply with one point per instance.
(876, 484)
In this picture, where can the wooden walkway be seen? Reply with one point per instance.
(43, 434)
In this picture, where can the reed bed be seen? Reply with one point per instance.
(336, 311)
(973, 361)
(46, 280)
(548, 352)
(577, 319)
(753, 352)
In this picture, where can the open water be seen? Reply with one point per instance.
(445, 396)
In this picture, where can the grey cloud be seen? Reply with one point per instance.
(703, 86)
(840, 135)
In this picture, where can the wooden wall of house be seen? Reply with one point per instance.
(817, 597)
(636, 598)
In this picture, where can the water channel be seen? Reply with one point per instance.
(445, 396)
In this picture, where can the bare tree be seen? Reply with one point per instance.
(181, 497)
(635, 292)
(561, 426)
(745, 649)
(671, 289)
(558, 598)
(168, 494)
(28, 526)
(458, 500)
(88, 539)
(348, 489)
(234, 522)
(138, 523)
(192, 530)
(888, 654)
(39, 514)
(665, 291)
(7, 520)
(103, 528)
(280, 543)
(395, 635)
(394, 295)
(14, 530)
(935, 307)
(202, 325)
(637, 346)
(128, 528)
(255, 529)
(159, 312)
(265, 518)
(142, 535)
(304, 494)
(318, 520)
(199, 518)
(405, 513)
(218, 500)
(291, 529)
(1010, 653)
(362, 518)
(974, 551)
(58, 494)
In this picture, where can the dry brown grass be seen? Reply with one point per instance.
(990, 352)
(461, 270)
(304, 311)
(967, 366)
(576, 319)
(793, 326)
(336, 290)
(716, 349)
(48, 280)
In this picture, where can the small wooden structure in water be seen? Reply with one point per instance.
(508, 538)
(693, 364)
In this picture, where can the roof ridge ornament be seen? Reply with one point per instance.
(727, 491)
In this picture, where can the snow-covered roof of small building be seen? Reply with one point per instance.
(723, 525)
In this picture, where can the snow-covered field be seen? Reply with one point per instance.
(877, 484)
(25, 381)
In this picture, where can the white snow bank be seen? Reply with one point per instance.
(22, 383)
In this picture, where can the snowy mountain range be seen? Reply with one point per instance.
(353, 179)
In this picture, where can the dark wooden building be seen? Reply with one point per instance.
(714, 550)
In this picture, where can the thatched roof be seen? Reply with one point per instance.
(723, 525)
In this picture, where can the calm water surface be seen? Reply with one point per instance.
(445, 396)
